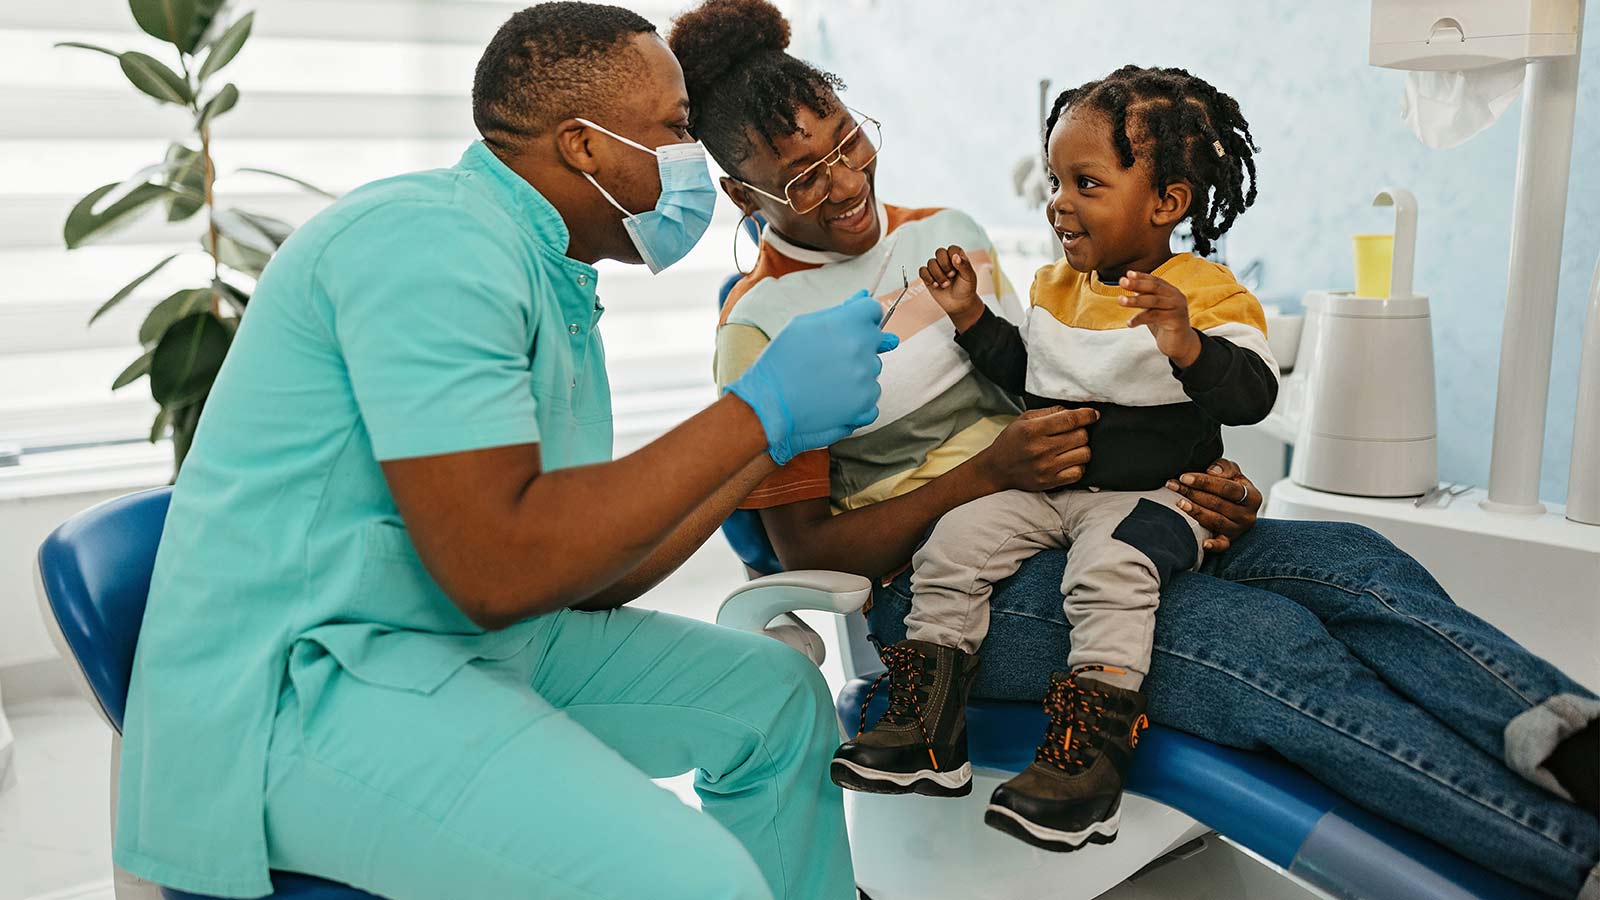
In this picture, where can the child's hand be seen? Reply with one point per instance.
(1165, 311)
(954, 285)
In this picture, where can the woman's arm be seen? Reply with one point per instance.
(1039, 450)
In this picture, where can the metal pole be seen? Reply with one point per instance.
(1538, 217)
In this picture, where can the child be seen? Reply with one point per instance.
(1168, 348)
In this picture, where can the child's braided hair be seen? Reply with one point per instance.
(1193, 132)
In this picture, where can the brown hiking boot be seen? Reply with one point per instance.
(920, 744)
(1072, 793)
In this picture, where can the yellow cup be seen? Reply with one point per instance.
(1374, 264)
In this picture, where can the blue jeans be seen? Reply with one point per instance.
(1327, 645)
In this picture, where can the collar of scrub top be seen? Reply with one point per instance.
(529, 209)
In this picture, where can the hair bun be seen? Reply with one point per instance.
(717, 36)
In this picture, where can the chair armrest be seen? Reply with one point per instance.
(755, 605)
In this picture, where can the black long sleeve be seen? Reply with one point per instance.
(1232, 384)
(997, 351)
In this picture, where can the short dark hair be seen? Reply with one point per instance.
(739, 77)
(1193, 132)
(551, 62)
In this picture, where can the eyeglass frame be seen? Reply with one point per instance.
(834, 157)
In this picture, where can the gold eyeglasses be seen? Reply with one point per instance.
(809, 189)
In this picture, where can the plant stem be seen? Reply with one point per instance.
(211, 217)
(210, 176)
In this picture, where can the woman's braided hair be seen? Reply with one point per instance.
(1191, 131)
(740, 79)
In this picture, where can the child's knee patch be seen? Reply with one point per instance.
(1162, 535)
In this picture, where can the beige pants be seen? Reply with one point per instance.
(1124, 546)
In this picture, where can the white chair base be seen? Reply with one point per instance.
(928, 848)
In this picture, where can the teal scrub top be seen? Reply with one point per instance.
(431, 313)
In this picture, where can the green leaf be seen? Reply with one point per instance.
(187, 181)
(155, 79)
(233, 295)
(132, 182)
(186, 361)
(169, 20)
(219, 104)
(82, 46)
(128, 288)
(207, 25)
(245, 231)
(236, 256)
(276, 230)
(290, 178)
(84, 222)
(227, 46)
(135, 371)
(158, 428)
(185, 419)
(177, 305)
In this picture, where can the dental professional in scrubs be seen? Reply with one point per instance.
(386, 640)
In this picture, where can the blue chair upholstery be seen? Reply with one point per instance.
(95, 569)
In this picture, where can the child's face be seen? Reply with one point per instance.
(1103, 214)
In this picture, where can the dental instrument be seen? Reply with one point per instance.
(905, 285)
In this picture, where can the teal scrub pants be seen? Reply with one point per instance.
(529, 777)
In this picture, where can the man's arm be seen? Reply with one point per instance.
(684, 540)
(508, 541)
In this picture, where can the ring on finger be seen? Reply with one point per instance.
(1244, 493)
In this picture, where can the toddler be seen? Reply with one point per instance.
(1167, 347)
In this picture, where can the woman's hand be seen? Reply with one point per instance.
(1040, 450)
(954, 286)
(1221, 499)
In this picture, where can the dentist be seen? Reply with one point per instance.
(386, 641)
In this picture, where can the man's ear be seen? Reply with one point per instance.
(575, 147)
(1173, 204)
(740, 195)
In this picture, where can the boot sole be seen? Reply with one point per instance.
(849, 775)
(1008, 820)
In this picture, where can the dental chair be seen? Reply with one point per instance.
(93, 577)
(1181, 790)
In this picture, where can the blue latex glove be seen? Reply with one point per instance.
(818, 379)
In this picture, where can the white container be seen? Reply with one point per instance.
(1453, 35)
(1369, 427)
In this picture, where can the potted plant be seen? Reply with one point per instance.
(185, 336)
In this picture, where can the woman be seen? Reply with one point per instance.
(1321, 642)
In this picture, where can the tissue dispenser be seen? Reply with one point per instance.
(1368, 426)
(1455, 35)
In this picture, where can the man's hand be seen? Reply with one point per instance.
(954, 285)
(1165, 311)
(1040, 450)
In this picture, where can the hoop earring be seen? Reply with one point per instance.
(737, 230)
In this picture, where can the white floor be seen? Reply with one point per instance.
(55, 838)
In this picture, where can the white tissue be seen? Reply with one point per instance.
(1444, 109)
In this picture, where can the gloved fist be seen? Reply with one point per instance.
(818, 379)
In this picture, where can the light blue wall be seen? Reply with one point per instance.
(956, 86)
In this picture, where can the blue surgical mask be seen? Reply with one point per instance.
(681, 216)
